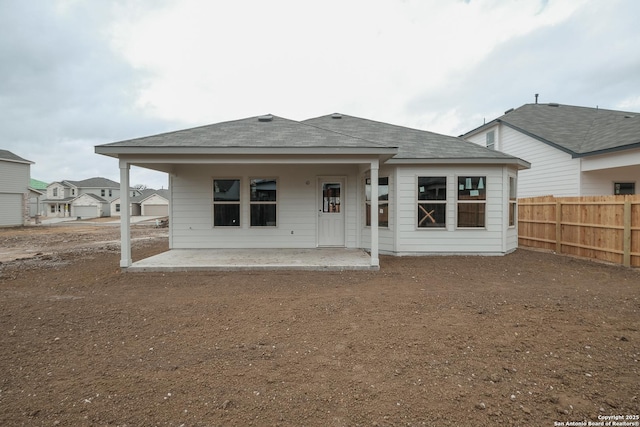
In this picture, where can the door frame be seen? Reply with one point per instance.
(343, 206)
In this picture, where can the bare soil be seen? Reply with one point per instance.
(528, 339)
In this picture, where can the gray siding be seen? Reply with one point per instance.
(192, 206)
(11, 209)
(14, 177)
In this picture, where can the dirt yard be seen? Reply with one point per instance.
(529, 339)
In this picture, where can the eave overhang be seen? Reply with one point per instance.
(519, 163)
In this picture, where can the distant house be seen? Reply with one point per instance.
(147, 202)
(573, 151)
(14, 189)
(334, 181)
(89, 198)
(38, 192)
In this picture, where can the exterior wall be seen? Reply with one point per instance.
(153, 200)
(297, 206)
(553, 172)
(10, 209)
(114, 211)
(61, 193)
(601, 182)
(115, 193)
(14, 191)
(86, 200)
(403, 236)
(493, 239)
(601, 172)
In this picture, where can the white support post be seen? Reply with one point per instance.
(375, 262)
(125, 213)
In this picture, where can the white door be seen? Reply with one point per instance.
(331, 212)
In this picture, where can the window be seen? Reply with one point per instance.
(491, 139)
(263, 201)
(73, 191)
(432, 202)
(472, 198)
(624, 188)
(110, 193)
(226, 202)
(383, 201)
(513, 201)
(53, 208)
(102, 192)
(117, 207)
(55, 192)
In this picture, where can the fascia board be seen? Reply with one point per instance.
(521, 164)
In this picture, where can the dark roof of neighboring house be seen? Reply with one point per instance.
(146, 193)
(259, 132)
(411, 143)
(8, 155)
(93, 183)
(579, 131)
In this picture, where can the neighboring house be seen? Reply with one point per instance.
(573, 151)
(14, 189)
(38, 191)
(147, 202)
(270, 182)
(64, 198)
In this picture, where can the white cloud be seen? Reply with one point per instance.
(77, 73)
(211, 60)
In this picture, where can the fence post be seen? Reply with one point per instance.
(558, 226)
(626, 257)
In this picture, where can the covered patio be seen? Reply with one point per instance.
(326, 259)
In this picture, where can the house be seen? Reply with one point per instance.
(573, 151)
(89, 198)
(147, 202)
(15, 173)
(271, 182)
(38, 191)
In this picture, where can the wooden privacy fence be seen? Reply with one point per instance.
(605, 228)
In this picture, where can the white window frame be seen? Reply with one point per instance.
(232, 202)
(265, 202)
(459, 201)
(381, 203)
(419, 202)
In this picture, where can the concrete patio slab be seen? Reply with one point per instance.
(255, 259)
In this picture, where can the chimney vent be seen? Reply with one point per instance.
(536, 98)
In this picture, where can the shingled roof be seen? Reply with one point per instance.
(331, 134)
(97, 182)
(579, 131)
(260, 132)
(412, 144)
(9, 156)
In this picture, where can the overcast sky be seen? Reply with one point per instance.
(77, 73)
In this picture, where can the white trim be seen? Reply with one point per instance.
(125, 216)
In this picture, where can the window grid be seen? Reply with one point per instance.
(472, 195)
(432, 202)
(226, 202)
(383, 202)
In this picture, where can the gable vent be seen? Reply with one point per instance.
(336, 116)
(265, 118)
